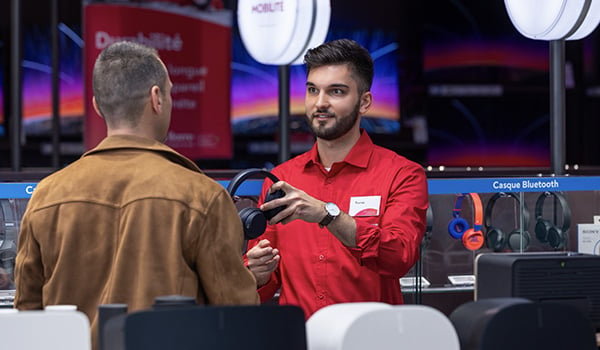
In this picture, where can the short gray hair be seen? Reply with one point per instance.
(123, 75)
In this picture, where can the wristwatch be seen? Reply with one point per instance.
(332, 212)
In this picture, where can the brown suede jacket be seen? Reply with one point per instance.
(129, 221)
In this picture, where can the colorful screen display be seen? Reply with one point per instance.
(487, 89)
(37, 80)
(255, 87)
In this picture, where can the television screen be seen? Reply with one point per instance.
(37, 80)
(255, 87)
(2, 117)
(487, 88)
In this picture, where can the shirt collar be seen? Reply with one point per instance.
(358, 156)
(120, 142)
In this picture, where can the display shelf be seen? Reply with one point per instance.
(439, 289)
(443, 255)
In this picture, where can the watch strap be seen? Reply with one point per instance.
(326, 220)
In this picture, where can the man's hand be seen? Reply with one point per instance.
(262, 261)
(298, 205)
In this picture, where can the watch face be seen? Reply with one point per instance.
(332, 209)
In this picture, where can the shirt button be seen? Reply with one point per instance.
(321, 257)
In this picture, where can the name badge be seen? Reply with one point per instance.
(365, 206)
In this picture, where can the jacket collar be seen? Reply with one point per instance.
(131, 142)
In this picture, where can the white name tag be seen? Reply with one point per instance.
(365, 206)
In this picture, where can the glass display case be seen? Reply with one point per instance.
(13, 201)
(515, 215)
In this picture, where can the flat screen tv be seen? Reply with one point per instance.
(487, 88)
(255, 92)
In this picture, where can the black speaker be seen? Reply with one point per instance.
(545, 277)
(255, 220)
(208, 328)
(519, 324)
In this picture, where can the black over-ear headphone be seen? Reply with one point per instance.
(8, 240)
(495, 238)
(428, 227)
(3, 235)
(255, 220)
(546, 232)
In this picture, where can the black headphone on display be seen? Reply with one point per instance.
(8, 247)
(253, 219)
(428, 227)
(495, 238)
(546, 232)
(2, 227)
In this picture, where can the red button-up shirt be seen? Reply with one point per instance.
(316, 269)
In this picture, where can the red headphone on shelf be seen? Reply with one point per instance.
(458, 227)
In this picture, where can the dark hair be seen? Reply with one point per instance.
(343, 51)
(123, 75)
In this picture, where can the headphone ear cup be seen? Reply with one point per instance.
(541, 230)
(495, 239)
(457, 227)
(514, 240)
(556, 238)
(254, 222)
(472, 239)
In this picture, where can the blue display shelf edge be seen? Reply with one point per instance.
(435, 186)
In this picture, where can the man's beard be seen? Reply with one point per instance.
(340, 128)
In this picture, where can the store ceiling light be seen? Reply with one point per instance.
(554, 19)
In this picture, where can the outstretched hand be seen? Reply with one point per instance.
(262, 261)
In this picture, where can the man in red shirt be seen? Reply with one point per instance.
(354, 212)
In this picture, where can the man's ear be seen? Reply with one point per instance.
(96, 108)
(366, 100)
(156, 99)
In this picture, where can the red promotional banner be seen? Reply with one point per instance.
(197, 53)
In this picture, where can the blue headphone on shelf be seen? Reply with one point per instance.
(459, 228)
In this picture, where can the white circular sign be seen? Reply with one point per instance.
(554, 19)
(278, 32)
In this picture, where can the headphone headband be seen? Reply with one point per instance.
(477, 208)
(566, 210)
(490, 207)
(429, 220)
(239, 178)
(254, 220)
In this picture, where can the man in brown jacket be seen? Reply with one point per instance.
(131, 219)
